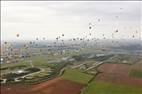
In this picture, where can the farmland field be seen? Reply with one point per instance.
(137, 66)
(118, 74)
(71, 47)
(58, 86)
(114, 68)
(115, 79)
(16, 89)
(136, 73)
(39, 61)
(97, 87)
(49, 87)
(77, 76)
(42, 62)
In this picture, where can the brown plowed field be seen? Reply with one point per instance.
(16, 89)
(58, 86)
(137, 66)
(117, 73)
(55, 86)
(115, 68)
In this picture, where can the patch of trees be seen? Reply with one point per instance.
(78, 57)
(102, 58)
(30, 70)
(4, 68)
(18, 67)
(11, 76)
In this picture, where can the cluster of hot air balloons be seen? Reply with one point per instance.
(76, 41)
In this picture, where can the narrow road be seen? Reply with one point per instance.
(78, 65)
(95, 65)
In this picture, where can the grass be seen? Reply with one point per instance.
(14, 65)
(38, 61)
(77, 76)
(136, 73)
(109, 88)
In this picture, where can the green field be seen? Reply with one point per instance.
(136, 73)
(76, 75)
(37, 61)
(40, 61)
(109, 88)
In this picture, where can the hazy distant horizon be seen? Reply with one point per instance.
(51, 19)
(67, 40)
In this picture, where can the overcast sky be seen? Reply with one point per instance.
(49, 19)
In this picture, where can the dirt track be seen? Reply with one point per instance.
(117, 73)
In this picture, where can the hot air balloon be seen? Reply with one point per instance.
(98, 20)
(36, 38)
(5, 42)
(117, 16)
(17, 35)
(62, 34)
(116, 31)
(43, 38)
(30, 42)
(90, 23)
(57, 38)
(90, 27)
